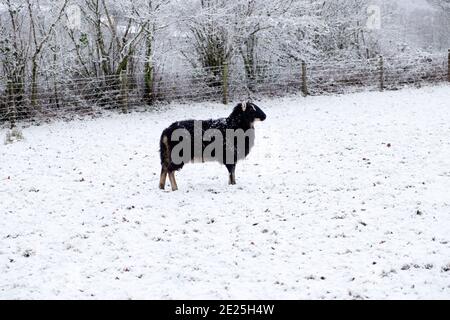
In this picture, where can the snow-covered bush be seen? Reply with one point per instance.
(13, 135)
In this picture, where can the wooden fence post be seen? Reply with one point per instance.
(225, 83)
(124, 90)
(448, 66)
(381, 73)
(304, 79)
(149, 83)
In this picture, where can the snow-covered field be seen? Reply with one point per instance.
(342, 197)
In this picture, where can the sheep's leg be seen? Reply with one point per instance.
(232, 180)
(173, 182)
(162, 179)
(165, 160)
(232, 177)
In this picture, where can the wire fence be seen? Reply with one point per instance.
(67, 98)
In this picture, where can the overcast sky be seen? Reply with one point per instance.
(414, 4)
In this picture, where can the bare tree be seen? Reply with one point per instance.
(14, 51)
(40, 37)
(150, 15)
(256, 19)
(443, 5)
(211, 38)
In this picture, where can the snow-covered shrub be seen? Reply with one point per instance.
(13, 135)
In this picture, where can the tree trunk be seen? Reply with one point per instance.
(149, 75)
(34, 89)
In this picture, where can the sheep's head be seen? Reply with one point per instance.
(249, 112)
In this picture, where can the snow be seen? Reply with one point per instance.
(342, 197)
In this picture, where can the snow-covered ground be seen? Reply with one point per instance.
(342, 197)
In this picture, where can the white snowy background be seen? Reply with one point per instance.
(342, 197)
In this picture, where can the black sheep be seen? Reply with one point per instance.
(233, 137)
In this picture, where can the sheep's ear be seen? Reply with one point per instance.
(237, 110)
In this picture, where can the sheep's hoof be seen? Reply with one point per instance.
(161, 186)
